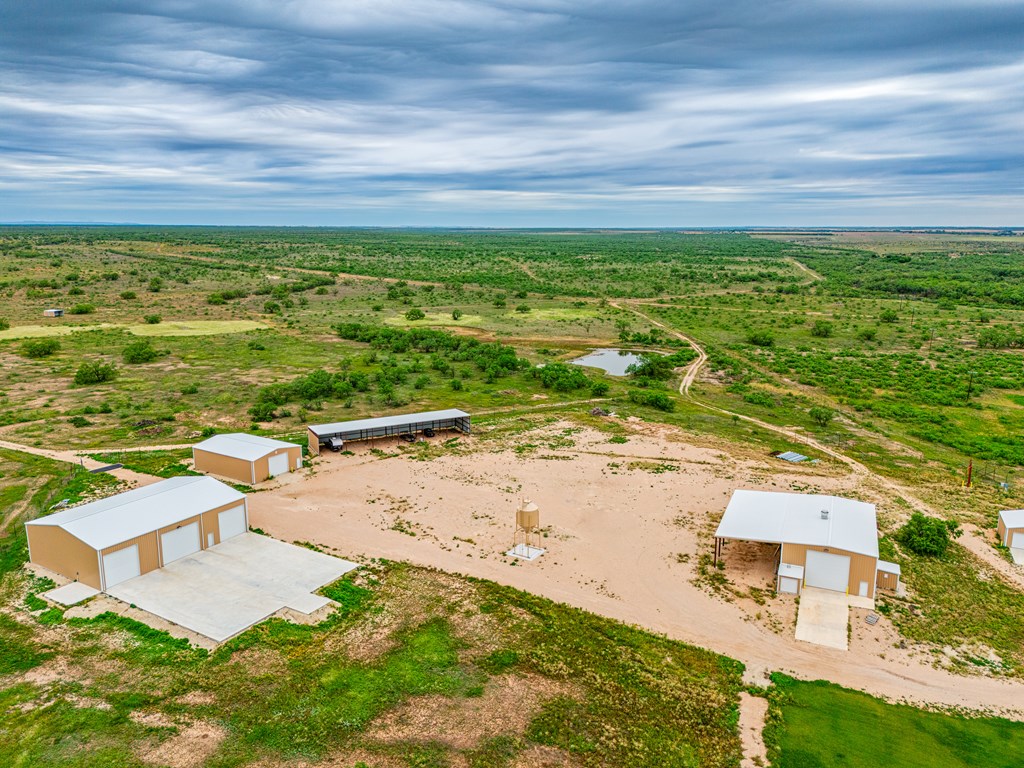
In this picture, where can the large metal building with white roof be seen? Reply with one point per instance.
(109, 541)
(246, 458)
(823, 541)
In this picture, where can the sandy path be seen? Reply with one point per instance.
(623, 542)
(753, 710)
(73, 457)
(979, 542)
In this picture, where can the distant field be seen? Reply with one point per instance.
(190, 328)
(825, 726)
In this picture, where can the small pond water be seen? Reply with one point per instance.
(613, 361)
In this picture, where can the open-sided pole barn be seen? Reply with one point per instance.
(386, 426)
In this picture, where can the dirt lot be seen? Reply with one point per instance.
(625, 525)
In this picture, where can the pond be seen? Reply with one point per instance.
(613, 361)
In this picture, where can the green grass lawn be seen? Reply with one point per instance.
(820, 725)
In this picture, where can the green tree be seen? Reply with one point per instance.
(94, 372)
(822, 329)
(928, 536)
(415, 314)
(761, 338)
(821, 415)
(37, 348)
(141, 351)
(456, 314)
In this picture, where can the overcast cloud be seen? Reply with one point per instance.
(543, 113)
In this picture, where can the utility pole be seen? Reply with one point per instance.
(970, 470)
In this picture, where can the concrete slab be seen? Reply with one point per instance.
(224, 590)
(822, 618)
(1017, 554)
(525, 552)
(71, 594)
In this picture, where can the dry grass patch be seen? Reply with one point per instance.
(506, 707)
(190, 747)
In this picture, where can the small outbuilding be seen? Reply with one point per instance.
(1011, 528)
(109, 541)
(248, 459)
(53, 313)
(823, 541)
(338, 433)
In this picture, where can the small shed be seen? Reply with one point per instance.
(1011, 528)
(111, 540)
(246, 458)
(53, 313)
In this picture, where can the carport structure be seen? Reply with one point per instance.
(112, 540)
(386, 426)
(826, 542)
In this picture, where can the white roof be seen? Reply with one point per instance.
(242, 446)
(1012, 518)
(791, 571)
(109, 521)
(386, 421)
(886, 567)
(795, 518)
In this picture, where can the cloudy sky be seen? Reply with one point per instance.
(513, 112)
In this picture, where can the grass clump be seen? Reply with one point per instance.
(821, 725)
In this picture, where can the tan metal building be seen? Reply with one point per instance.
(246, 458)
(1011, 528)
(823, 541)
(109, 541)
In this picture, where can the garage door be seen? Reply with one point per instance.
(827, 571)
(1017, 540)
(231, 522)
(278, 464)
(180, 542)
(121, 565)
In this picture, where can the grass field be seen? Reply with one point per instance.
(190, 328)
(819, 725)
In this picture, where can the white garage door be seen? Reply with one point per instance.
(1017, 540)
(180, 542)
(278, 464)
(121, 565)
(827, 571)
(231, 522)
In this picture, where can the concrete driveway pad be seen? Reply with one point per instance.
(822, 618)
(224, 590)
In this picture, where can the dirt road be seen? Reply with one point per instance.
(626, 524)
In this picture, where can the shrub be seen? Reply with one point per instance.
(928, 536)
(523, 309)
(4, 323)
(82, 309)
(822, 329)
(156, 285)
(456, 314)
(152, 319)
(128, 295)
(415, 314)
(821, 415)
(190, 389)
(79, 421)
(500, 304)
(455, 384)
(867, 334)
(272, 308)
(658, 400)
(599, 388)
(76, 291)
(760, 338)
(94, 372)
(37, 348)
(889, 316)
(140, 351)
(263, 411)
(758, 397)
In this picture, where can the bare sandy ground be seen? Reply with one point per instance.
(625, 525)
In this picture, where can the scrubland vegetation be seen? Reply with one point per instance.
(903, 352)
